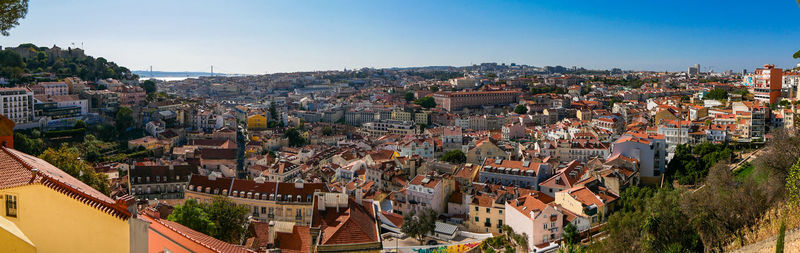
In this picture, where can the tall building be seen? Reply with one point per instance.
(648, 149)
(694, 70)
(17, 104)
(767, 83)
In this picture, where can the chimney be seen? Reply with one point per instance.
(271, 232)
(359, 195)
(259, 180)
(320, 202)
(213, 176)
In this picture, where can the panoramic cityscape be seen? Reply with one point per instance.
(360, 126)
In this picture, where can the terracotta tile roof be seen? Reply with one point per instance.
(396, 219)
(16, 170)
(186, 237)
(420, 180)
(354, 224)
(218, 153)
(298, 241)
(178, 173)
(241, 185)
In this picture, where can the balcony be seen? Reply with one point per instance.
(487, 224)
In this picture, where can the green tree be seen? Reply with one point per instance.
(27, 145)
(149, 86)
(193, 215)
(571, 234)
(327, 131)
(80, 124)
(229, 219)
(124, 119)
(717, 94)
(427, 102)
(781, 234)
(409, 96)
(69, 160)
(792, 185)
(273, 116)
(796, 55)
(454, 156)
(11, 11)
(295, 139)
(434, 88)
(521, 109)
(418, 225)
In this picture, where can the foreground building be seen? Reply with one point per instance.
(44, 209)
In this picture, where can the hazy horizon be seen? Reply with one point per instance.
(252, 37)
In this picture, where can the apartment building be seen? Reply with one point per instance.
(453, 101)
(17, 104)
(268, 201)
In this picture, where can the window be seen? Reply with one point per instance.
(263, 210)
(11, 206)
(487, 210)
(476, 218)
(501, 211)
(545, 226)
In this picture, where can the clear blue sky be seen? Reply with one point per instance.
(283, 36)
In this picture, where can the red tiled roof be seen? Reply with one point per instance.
(353, 224)
(16, 170)
(195, 241)
(298, 241)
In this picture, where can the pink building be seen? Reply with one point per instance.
(51, 88)
(542, 222)
(130, 96)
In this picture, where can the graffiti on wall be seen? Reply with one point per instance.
(456, 248)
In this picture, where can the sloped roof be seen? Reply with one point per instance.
(186, 237)
(354, 224)
(16, 169)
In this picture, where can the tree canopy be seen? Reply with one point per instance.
(418, 225)
(123, 119)
(221, 219)
(454, 156)
(427, 102)
(295, 139)
(149, 86)
(69, 160)
(409, 96)
(521, 109)
(11, 11)
(718, 94)
(691, 163)
(193, 215)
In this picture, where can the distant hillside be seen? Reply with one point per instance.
(21, 64)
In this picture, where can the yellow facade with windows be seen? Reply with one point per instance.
(486, 217)
(55, 222)
(256, 122)
(267, 210)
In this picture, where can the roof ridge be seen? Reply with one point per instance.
(59, 186)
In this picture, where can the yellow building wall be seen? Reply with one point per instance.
(12, 239)
(256, 122)
(55, 222)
